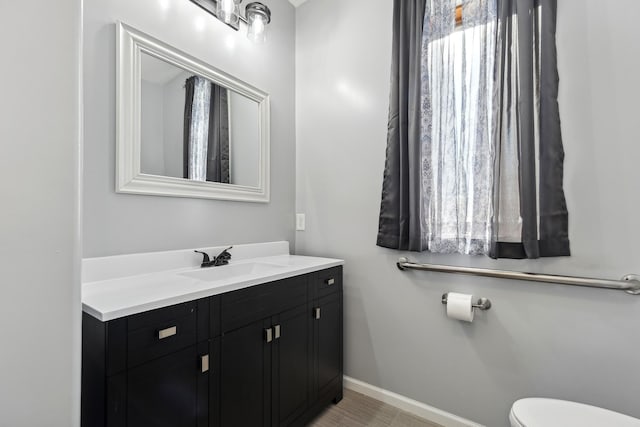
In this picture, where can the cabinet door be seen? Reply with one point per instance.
(291, 368)
(163, 392)
(328, 344)
(213, 404)
(245, 376)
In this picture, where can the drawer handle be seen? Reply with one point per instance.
(316, 313)
(276, 333)
(204, 363)
(269, 334)
(166, 333)
(330, 281)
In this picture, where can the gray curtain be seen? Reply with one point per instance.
(206, 149)
(189, 88)
(401, 206)
(529, 124)
(218, 152)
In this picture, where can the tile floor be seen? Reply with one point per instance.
(358, 410)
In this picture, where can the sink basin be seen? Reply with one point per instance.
(225, 272)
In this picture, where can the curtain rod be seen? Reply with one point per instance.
(629, 283)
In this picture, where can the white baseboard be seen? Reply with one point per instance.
(414, 407)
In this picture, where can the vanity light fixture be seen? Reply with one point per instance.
(256, 16)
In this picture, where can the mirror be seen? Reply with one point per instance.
(185, 128)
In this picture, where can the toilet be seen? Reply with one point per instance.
(538, 412)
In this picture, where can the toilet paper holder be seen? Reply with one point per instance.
(482, 304)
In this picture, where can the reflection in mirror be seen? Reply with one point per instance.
(195, 129)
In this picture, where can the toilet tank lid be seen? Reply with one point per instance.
(539, 412)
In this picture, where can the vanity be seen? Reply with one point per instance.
(257, 342)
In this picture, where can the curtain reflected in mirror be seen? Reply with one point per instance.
(206, 131)
(195, 129)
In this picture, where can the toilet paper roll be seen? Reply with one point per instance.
(459, 307)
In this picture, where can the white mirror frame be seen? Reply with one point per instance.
(131, 43)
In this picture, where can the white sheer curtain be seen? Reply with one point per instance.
(199, 132)
(459, 100)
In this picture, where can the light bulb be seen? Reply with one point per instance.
(256, 29)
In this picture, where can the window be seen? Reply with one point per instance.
(474, 147)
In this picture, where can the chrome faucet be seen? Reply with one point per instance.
(221, 259)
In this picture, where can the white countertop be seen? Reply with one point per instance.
(112, 292)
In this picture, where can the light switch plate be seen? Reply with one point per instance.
(300, 222)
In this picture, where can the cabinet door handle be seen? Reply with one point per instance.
(269, 334)
(276, 333)
(204, 363)
(166, 333)
(330, 281)
(316, 313)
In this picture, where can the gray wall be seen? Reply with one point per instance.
(173, 120)
(152, 122)
(538, 340)
(162, 125)
(244, 132)
(123, 223)
(39, 219)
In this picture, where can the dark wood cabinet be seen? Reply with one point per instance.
(164, 392)
(291, 354)
(267, 355)
(145, 370)
(328, 346)
(266, 365)
(245, 376)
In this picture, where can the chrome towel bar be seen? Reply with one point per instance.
(629, 283)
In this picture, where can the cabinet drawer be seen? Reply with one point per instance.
(327, 281)
(244, 306)
(160, 332)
